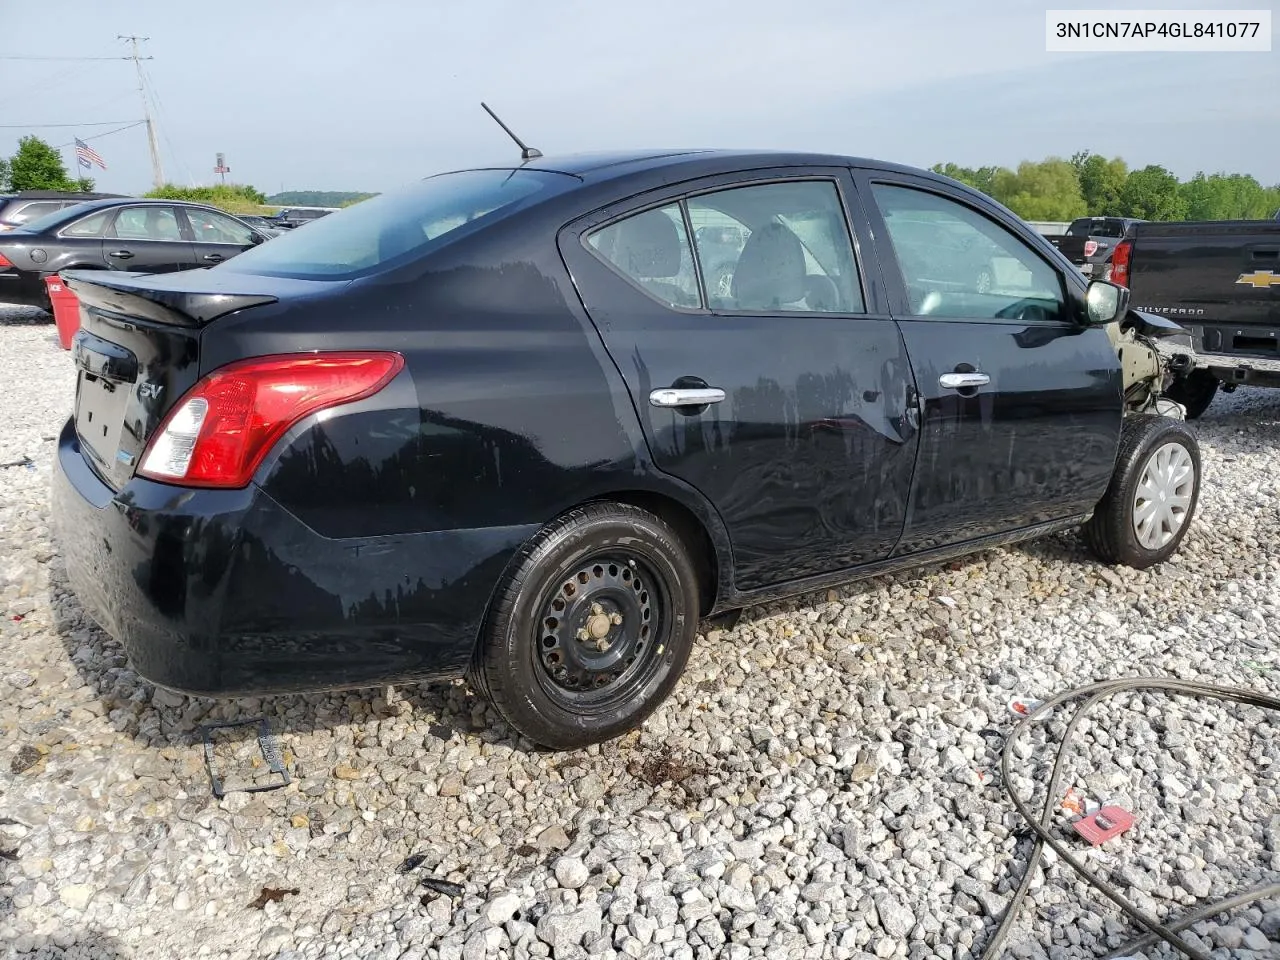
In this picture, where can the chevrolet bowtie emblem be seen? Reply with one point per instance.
(1260, 278)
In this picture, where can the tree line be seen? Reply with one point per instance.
(1091, 185)
(36, 165)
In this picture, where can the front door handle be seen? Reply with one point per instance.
(215, 257)
(685, 397)
(963, 381)
(121, 254)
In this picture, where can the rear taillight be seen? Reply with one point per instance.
(218, 434)
(1120, 258)
(1090, 247)
(4, 262)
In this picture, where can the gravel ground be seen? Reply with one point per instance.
(823, 784)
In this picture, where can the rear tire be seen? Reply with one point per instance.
(592, 627)
(1194, 390)
(1152, 498)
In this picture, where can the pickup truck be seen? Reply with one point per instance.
(1090, 242)
(1220, 281)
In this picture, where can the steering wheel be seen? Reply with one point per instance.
(1025, 309)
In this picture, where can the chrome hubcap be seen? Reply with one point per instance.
(1164, 496)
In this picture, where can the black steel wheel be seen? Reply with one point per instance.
(592, 627)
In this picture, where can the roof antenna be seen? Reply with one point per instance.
(526, 153)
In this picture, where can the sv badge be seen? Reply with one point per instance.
(150, 391)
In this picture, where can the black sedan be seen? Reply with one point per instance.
(501, 423)
(143, 236)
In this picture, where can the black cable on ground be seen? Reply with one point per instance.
(1096, 692)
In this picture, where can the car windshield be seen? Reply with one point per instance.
(394, 227)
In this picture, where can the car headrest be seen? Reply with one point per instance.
(770, 271)
(649, 245)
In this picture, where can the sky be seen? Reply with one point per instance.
(339, 95)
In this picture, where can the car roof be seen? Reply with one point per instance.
(603, 165)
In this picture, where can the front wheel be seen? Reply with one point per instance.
(1152, 498)
(1194, 390)
(592, 628)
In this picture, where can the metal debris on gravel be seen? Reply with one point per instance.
(823, 782)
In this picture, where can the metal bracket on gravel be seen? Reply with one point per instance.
(268, 743)
(1096, 692)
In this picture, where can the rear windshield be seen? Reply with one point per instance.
(393, 228)
(1096, 228)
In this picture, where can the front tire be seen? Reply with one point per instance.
(1194, 390)
(1152, 498)
(591, 629)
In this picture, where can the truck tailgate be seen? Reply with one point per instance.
(1225, 272)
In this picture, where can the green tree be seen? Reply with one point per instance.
(980, 178)
(1225, 196)
(4, 174)
(1048, 190)
(1101, 181)
(38, 166)
(1152, 194)
(232, 197)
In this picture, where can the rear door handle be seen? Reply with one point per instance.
(121, 254)
(685, 397)
(961, 381)
(215, 257)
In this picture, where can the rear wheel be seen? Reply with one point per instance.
(1194, 390)
(592, 628)
(1151, 501)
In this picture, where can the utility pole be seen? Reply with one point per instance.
(157, 173)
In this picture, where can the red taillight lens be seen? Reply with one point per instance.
(1120, 262)
(4, 262)
(1090, 247)
(218, 434)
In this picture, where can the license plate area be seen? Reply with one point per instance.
(106, 376)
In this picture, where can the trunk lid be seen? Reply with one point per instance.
(138, 351)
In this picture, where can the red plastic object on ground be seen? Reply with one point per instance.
(1106, 823)
(66, 309)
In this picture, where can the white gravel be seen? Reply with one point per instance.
(823, 784)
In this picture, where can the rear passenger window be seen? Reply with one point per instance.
(147, 223)
(779, 247)
(957, 263)
(652, 250)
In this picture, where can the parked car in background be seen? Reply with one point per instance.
(263, 225)
(296, 216)
(1221, 281)
(19, 209)
(141, 236)
(1090, 242)
(499, 423)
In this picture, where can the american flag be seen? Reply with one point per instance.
(87, 156)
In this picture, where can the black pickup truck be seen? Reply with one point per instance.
(1090, 242)
(1221, 282)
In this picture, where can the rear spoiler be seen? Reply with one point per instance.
(131, 295)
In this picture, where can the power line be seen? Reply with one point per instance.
(70, 58)
(37, 126)
(99, 136)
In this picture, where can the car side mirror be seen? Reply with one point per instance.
(256, 238)
(1105, 302)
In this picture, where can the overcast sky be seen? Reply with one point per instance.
(342, 95)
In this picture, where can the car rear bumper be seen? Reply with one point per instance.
(226, 593)
(24, 288)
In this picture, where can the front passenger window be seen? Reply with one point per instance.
(957, 263)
